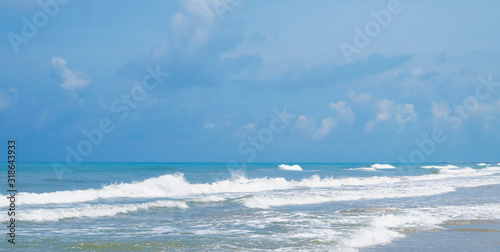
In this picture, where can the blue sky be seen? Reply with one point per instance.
(415, 67)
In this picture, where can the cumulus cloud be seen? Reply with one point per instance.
(212, 125)
(71, 80)
(362, 97)
(244, 130)
(439, 112)
(489, 108)
(310, 127)
(196, 28)
(344, 111)
(8, 98)
(404, 113)
(209, 9)
(390, 111)
(191, 49)
(208, 126)
(490, 112)
(324, 128)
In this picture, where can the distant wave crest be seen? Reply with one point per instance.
(290, 167)
(439, 166)
(383, 166)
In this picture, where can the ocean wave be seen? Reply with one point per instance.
(363, 169)
(377, 188)
(439, 166)
(208, 199)
(266, 202)
(176, 186)
(170, 185)
(388, 227)
(382, 166)
(482, 164)
(290, 167)
(372, 236)
(94, 211)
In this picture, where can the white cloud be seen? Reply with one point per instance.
(71, 80)
(308, 125)
(491, 111)
(208, 126)
(8, 99)
(45, 119)
(404, 113)
(362, 97)
(161, 50)
(489, 123)
(389, 111)
(325, 127)
(199, 38)
(417, 72)
(311, 128)
(439, 112)
(244, 130)
(489, 108)
(344, 111)
(212, 125)
(209, 9)
(102, 104)
(200, 8)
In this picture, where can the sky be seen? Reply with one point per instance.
(250, 81)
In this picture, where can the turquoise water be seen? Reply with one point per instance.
(262, 206)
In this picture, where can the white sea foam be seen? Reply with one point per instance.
(375, 188)
(492, 168)
(372, 236)
(439, 166)
(175, 186)
(290, 167)
(383, 166)
(171, 185)
(465, 212)
(363, 169)
(93, 211)
(209, 199)
(482, 164)
(385, 228)
(318, 197)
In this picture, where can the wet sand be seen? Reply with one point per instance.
(465, 236)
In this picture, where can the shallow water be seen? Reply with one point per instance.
(205, 206)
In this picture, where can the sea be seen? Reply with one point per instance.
(255, 207)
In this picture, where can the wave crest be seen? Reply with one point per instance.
(294, 167)
(382, 166)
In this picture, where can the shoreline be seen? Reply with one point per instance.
(481, 235)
